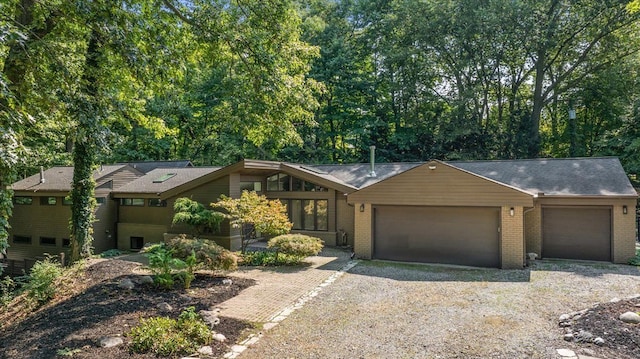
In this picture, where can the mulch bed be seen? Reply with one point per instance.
(622, 340)
(98, 307)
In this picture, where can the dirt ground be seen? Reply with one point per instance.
(97, 307)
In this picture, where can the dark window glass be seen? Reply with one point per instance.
(48, 201)
(22, 200)
(22, 239)
(283, 182)
(296, 213)
(297, 184)
(322, 219)
(132, 202)
(101, 200)
(272, 183)
(47, 241)
(137, 242)
(154, 202)
(66, 242)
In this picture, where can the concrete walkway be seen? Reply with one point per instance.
(279, 287)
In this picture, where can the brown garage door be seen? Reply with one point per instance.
(453, 235)
(577, 233)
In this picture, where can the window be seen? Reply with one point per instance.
(308, 214)
(155, 202)
(132, 202)
(66, 201)
(164, 177)
(22, 200)
(47, 241)
(66, 242)
(101, 200)
(137, 242)
(283, 182)
(22, 239)
(48, 201)
(251, 186)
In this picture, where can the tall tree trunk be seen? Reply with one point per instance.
(533, 148)
(84, 157)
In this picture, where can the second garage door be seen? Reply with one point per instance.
(576, 233)
(452, 235)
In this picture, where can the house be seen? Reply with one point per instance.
(478, 213)
(41, 211)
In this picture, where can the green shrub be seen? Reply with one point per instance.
(165, 336)
(208, 254)
(269, 259)
(8, 289)
(635, 261)
(110, 253)
(296, 245)
(163, 264)
(40, 285)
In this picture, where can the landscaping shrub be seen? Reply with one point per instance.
(165, 336)
(8, 289)
(296, 245)
(269, 258)
(208, 254)
(635, 261)
(110, 253)
(163, 264)
(40, 282)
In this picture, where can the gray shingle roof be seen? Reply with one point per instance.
(563, 176)
(148, 166)
(357, 175)
(146, 184)
(59, 179)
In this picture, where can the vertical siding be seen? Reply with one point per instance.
(123, 176)
(344, 217)
(533, 229)
(512, 237)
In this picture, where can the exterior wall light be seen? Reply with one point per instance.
(362, 207)
(624, 210)
(512, 212)
(432, 167)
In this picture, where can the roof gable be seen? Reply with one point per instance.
(59, 179)
(161, 180)
(440, 184)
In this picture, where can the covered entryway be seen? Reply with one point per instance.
(452, 235)
(576, 233)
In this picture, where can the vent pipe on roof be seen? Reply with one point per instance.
(372, 152)
(42, 174)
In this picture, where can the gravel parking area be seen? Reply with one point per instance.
(390, 310)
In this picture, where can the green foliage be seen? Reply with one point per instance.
(268, 217)
(163, 265)
(8, 290)
(40, 287)
(296, 245)
(110, 253)
(68, 352)
(189, 273)
(195, 214)
(168, 337)
(208, 254)
(268, 259)
(635, 261)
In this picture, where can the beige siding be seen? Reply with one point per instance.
(533, 229)
(363, 240)
(37, 221)
(151, 233)
(442, 186)
(345, 217)
(512, 238)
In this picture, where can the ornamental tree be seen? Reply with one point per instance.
(253, 213)
(195, 215)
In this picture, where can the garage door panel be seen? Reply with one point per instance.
(454, 235)
(577, 233)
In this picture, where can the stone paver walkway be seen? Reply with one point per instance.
(280, 287)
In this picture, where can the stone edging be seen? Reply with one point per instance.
(287, 311)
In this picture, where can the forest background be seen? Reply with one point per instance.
(85, 82)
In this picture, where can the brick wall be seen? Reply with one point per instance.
(624, 232)
(533, 230)
(363, 241)
(512, 243)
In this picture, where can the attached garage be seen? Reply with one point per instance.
(577, 233)
(452, 235)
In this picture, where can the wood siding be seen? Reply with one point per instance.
(442, 186)
(345, 217)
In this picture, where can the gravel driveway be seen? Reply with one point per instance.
(389, 310)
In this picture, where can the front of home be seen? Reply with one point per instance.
(479, 213)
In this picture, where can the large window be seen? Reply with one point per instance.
(155, 202)
(22, 239)
(284, 183)
(22, 200)
(308, 214)
(251, 186)
(132, 202)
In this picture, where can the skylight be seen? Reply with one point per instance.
(164, 177)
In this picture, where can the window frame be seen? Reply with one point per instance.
(160, 203)
(302, 214)
(55, 242)
(129, 202)
(27, 239)
(23, 200)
